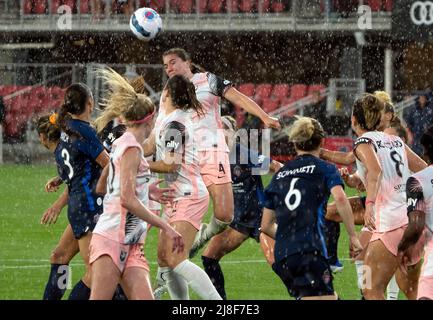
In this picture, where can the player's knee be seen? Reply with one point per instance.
(59, 256)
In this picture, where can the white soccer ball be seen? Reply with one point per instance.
(145, 23)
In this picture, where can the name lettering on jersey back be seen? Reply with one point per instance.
(306, 169)
(389, 144)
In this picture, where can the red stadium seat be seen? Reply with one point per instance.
(270, 104)
(27, 6)
(265, 6)
(375, 5)
(246, 5)
(277, 6)
(40, 6)
(286, 101)
(315, 87)
(84, 6)
(298, 91)
(70, 3)
(263, 90)
(388, 5)
(232, 6)
(202, 6)
(185, 6)
(247, 89)
(280, 91)
(55, 4)
(215, 6)
(157, 5)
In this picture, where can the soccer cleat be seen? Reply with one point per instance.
(337, 267)
(199, 241)
(160, 291)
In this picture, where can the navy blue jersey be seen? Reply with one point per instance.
(248, 193)
(298, 194)
(75, 157)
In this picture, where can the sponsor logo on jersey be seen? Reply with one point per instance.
(411, 202)
(172, 144)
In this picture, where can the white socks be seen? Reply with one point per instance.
(359, 264)
(197, 279)
(392, 290)
(177, 286)
(214, 227)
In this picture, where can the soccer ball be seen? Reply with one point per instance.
(145, 23)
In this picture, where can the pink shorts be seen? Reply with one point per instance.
(425, 284)
(123, 255)
(190, 210)
(392, 238)
(215, 167)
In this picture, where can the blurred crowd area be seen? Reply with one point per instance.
(101, 9)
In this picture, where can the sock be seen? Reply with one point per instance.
(360, 273)
(176, 285)
(161, 278)
(80, 292)
(392, 290)
(332, 234)
(119, 294)
(52, 289)
(214, 227)
(197, 279)
(213, 270)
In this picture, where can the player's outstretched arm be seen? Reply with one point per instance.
(149, 145)
(101, 186)
(337, 157)
(415, 162)
(239, 99)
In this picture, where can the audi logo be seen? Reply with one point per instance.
(422, 13)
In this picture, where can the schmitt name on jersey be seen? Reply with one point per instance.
(389, 144)
(305, 169)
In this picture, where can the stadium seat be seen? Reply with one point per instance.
(246, 6)
(315, 87)
(157, 5)
(232, 6)
(263, 90)
(55, 4)
(375, 5)
(28, 6)
(185, 6)
(280, 91)
(286, 101)
(264, 7)
(70, 3)
(202, 6)
(277, 6)
(40, 6)
(298, 91)
(215, 6)
(84, 6)
(388, 5)
(270, 104)
(247, 89)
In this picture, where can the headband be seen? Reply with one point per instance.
(145, 119)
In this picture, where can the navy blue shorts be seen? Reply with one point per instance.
(252, 232)
(305, 275)
(83, 213)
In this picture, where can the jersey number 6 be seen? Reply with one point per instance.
(293, 193)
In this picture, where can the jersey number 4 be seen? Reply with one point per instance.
(293, 193)
(66, 159)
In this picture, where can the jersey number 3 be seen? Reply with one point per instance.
(293, 193)
(66, 158)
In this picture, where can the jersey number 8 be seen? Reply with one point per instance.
(293, 193)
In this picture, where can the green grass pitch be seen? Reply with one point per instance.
(26, 246)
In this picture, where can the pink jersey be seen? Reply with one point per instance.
(116, 222)
(209, 89)
(175, 133)
(153, 205)
(390, 205)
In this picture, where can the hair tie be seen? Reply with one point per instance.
(53, 118)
